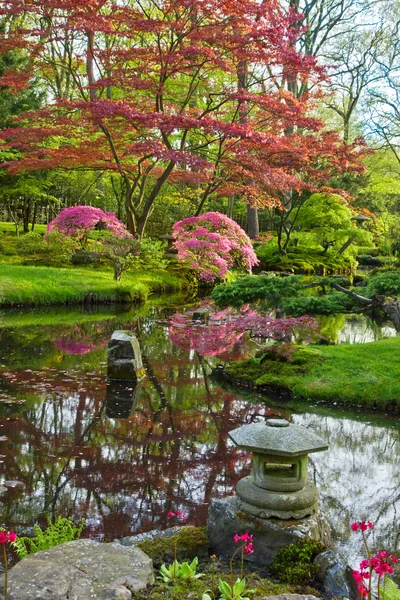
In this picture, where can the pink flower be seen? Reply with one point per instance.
(3, 537)
(395, 559)
(249, 548)
(358, 578)
(236, 538)
(171, 514)
(363, 590)
(361, 525)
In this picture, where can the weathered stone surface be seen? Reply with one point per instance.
(288, 441)
(333, 575)
(226, 517)
(81, 570)
(124, 357)
(122, 398)
(283, 505)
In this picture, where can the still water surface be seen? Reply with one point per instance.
(124, 457)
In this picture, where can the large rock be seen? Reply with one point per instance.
(226, 517)
(334, 576)
(81, 570)
(124, 357)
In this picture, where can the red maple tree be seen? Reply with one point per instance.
(149, 90)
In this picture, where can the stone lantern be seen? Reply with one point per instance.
(278, 485)
(360, 220)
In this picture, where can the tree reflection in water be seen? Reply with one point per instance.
(75, 454)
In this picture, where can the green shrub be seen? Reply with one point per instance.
(53, 250)
(337, 302)
(62, 530)
(367, 251)
(385, 283)
(256, 287)
(294, 564)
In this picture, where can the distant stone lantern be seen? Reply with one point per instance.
(360, 220)
(278, 485)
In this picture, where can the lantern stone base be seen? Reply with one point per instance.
(228, 516)
(283, 505)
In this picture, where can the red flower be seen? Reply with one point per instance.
(363, 590)
(171, 514)
(354, 526)
(249, 548)
(12, 536)
(3, 537)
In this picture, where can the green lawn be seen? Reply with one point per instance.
(34, 286)
(359, 374)
(10, 228)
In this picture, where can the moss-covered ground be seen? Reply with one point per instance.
(191, 542)
(365, 375)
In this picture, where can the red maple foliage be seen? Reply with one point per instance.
(148, 90)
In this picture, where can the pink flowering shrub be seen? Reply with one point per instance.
(226, 328)
(212, 244)
(375, 566)
(79, 221)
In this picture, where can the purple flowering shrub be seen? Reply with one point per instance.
(79, 221)
(212, 244)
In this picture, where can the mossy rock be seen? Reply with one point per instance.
(190, 542)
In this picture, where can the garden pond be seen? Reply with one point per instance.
(123, 456)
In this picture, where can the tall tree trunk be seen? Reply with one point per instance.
(253, 228)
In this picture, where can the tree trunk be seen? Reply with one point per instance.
(253, 229)
(34, 216)
(346, 245)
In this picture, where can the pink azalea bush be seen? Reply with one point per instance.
(212, 244)
(79, 221)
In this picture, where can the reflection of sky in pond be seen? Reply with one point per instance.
(354, 329)
(171, 449)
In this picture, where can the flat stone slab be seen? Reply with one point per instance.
(226, 517)
(80, 570)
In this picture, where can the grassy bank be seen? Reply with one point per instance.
(366, 375)
(38, 286)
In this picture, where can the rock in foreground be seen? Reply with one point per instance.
(81, 570)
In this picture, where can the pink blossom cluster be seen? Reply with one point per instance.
(212, 244)
(248, 542)
(382, 563)
(79, 221)
(178, 513)
(7, 536)
(361, 526)
(227, 328)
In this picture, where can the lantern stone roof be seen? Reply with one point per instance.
(277, 437)
(360, 218)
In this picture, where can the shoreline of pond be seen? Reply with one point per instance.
(328, 375)
(36, 287)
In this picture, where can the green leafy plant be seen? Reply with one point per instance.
(235, 592)
(294, 563)
(180, 571)
(390, 590)
(61, 531)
